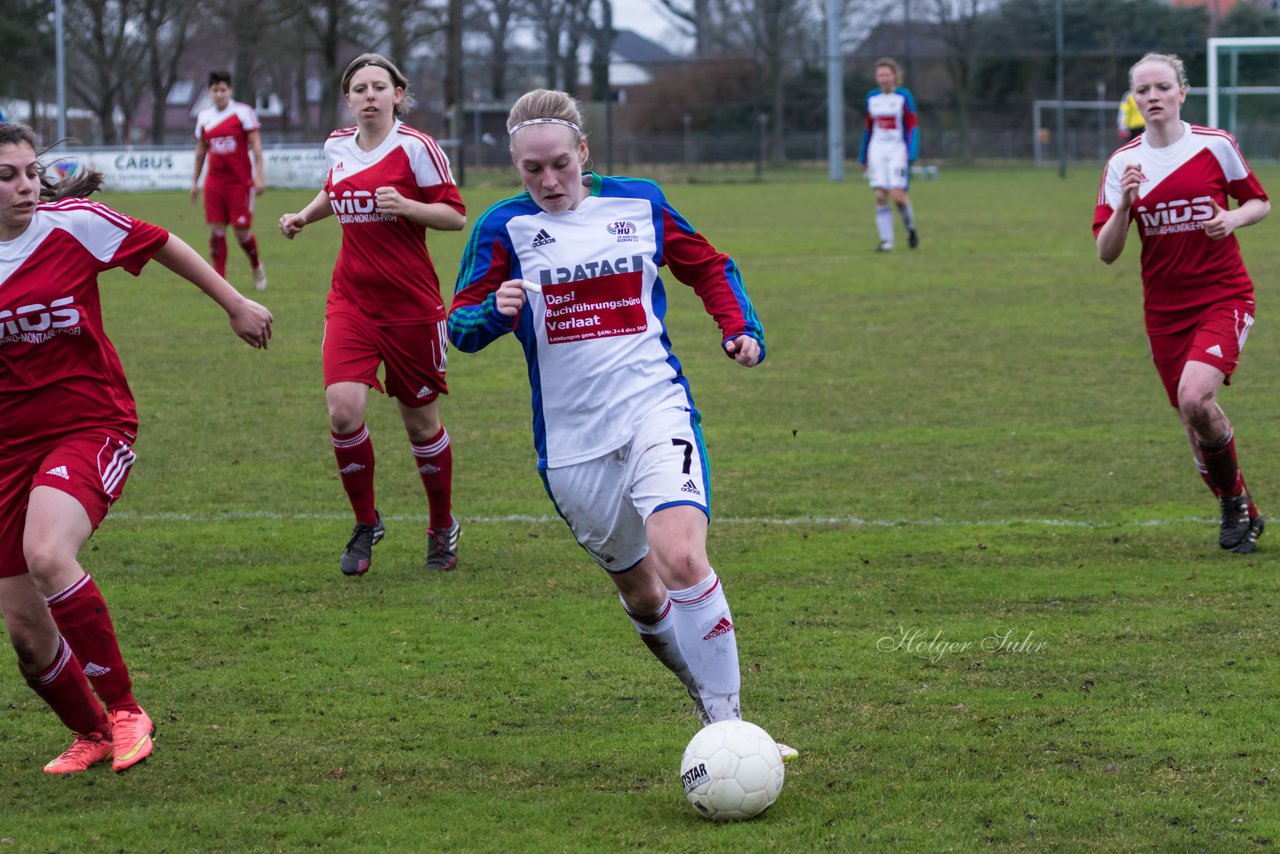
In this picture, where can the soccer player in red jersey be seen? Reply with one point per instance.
(1174, 182)
(225, 134)
(69, 422)
(387, 184)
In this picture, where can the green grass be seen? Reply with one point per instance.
(954, 443)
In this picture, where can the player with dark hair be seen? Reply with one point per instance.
(1174, 181)
(571, 267)
(225, 134)
(387, 184)
(890, 144)
(66, 446)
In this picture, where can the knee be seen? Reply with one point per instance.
(218, 232)
(683, 565)
(344, 415)
(1194, 404)
(243, 235)
(45, 558)
(30, 644)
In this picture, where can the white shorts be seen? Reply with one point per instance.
(606, 500)
(887, 168)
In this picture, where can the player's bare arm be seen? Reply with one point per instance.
(317, 209)
(435, 215)
(202, 149)
(1112, 235)
(249, 320)
(1224, 222)
(259, 162)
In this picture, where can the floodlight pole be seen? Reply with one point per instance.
(61, 73)
(1062, 94)
(835, 94)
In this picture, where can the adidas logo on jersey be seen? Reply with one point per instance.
(424, 392)
(722, 628)
(61, 471)
(1215, 350)
(351, 469)
(542, 238)
(690, 486)
(92, 670)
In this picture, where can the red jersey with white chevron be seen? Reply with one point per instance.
(58, 371)
(596, 338)
(383, 269)
(226, 136)
(1183, 271)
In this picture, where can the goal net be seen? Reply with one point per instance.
(1243, 92)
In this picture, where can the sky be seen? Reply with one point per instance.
(649, 19)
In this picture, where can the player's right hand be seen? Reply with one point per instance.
(1130, 182)
(252, 322)
(291, 224)
(509, 298)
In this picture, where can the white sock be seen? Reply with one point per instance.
(884, 223)
(710, 645)
(658, 631)
(908, 216)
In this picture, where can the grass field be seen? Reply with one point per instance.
(945, 446)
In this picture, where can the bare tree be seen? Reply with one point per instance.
(958, 23)
(330, 22)
(496, 20)
(165, 27)
(695, 16)
(106, 55)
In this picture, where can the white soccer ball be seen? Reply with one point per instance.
(732, 770)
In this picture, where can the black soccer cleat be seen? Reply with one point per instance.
(913, 239)
(885, 246)
(1249, 544)
(442, 547)
(1235, 520)
(358, 554)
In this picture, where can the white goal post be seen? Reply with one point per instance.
(1233, 48)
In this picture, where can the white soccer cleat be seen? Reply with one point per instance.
(260, 278)
(788, 753)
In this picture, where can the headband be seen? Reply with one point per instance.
(574, 127)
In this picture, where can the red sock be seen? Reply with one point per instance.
(62, 685)
(434, 459)
(1221, 466)
(218, 252)
(1208, 481)
(250, 247)
(82, 617)
(355, 463)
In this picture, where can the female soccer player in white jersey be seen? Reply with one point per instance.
(1173, 181)
(69, 423)
(387, 184)
(890, 144)
(571, 267)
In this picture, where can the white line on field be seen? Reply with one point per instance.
(835, 521)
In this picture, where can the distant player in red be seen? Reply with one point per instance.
(225, 134)
(1174, 182)
(387, 184)
(67, 426)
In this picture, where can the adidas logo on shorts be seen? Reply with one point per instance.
(691, 487)
(59, 471)
(423, 392)
(542, 238)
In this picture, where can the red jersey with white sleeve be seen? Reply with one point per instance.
(1183, 271)
(226, 135)
(58, 371)
(384, 270)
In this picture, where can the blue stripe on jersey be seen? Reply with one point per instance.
(660, 312)
(913, 141)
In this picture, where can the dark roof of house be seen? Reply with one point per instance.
(634, 47)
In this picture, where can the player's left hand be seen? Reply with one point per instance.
(1222, 223)
(391, 202)
(744, 349)
(252, 322)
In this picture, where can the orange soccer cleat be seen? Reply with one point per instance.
(86, 751)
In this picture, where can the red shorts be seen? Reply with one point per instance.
(231, 204)
(414, 356)
(1216, 339)
(90, 466)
